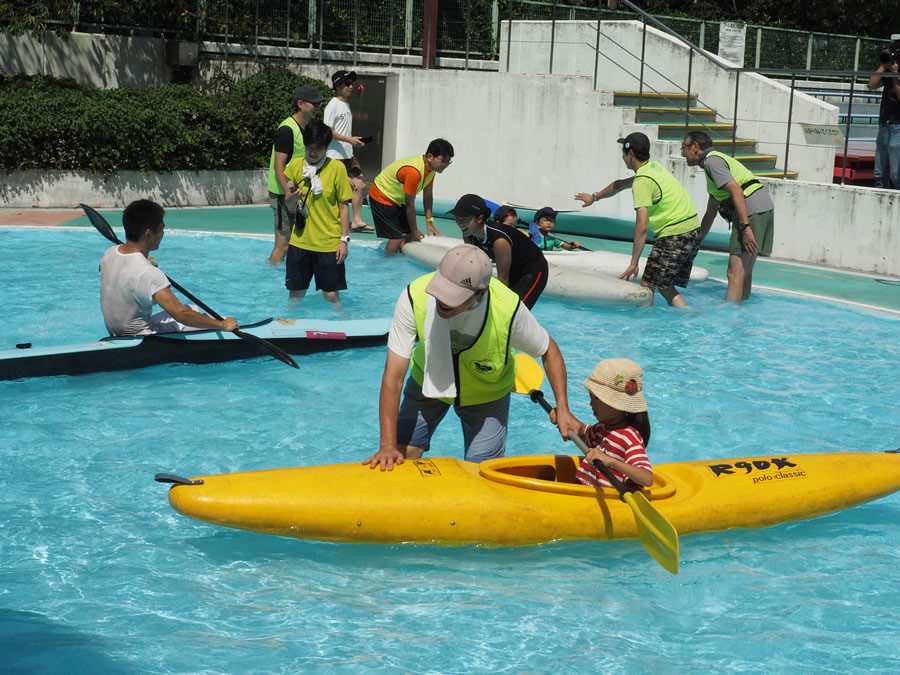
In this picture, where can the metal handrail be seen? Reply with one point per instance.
(785, 72)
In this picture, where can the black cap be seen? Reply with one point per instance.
(546, 212)
(504, 211)
(342, 76)
(470, 205)
(638, 143)
(308, 93)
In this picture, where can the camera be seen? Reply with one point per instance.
(889, 56)
(892, 53)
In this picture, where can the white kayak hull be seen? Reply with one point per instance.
(566, 283)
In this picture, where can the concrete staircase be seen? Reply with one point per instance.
(667, 112)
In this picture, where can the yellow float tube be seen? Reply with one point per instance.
(525, 500)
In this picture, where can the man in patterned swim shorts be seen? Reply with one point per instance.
(663, 205)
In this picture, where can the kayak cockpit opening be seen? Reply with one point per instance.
(556, 473)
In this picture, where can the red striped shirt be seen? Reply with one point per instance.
(623, 444)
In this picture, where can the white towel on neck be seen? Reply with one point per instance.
(439, 380)
(311, 171)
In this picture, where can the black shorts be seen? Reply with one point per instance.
(530, 285)
(354, 170)
(390, 220)
(301, 265)
(671, 260)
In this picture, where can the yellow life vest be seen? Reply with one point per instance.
(299, 151)
(674, 211)
(486, 371)
(392, 187)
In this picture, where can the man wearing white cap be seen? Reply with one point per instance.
(468, 325)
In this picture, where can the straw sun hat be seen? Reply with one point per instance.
(618, 383)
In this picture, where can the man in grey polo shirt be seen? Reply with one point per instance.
(742, 200)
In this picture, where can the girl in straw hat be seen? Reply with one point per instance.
(622, 431)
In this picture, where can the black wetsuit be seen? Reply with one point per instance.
(528, 269)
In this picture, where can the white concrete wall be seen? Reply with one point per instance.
(66, 189)
(100, 61)
(763, 104)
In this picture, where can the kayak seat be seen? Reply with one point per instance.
(556, 473)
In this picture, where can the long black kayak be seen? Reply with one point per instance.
(295, 336)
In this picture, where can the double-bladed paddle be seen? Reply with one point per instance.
(655, 532)
(104, 228)
(519, 221)
(565, 241)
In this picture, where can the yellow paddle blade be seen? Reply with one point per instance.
(656, 533)
(529, 374)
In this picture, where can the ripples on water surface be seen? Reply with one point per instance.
(98, 574)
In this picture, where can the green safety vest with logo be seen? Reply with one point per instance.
(673, 212)
(299, 151)
(392, 187)
(486, 371)
(742, 176)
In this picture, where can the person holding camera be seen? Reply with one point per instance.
(887, 144)
(320, 193)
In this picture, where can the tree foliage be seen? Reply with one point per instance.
(180, 18)
(165, 128)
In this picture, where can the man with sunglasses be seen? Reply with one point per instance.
(458, 328)
(288, 145)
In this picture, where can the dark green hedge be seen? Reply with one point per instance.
(57, 124)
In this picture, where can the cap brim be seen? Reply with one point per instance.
(447, 292)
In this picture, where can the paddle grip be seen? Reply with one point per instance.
(538, 397)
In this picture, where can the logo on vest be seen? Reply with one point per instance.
(482, 367)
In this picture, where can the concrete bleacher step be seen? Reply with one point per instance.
(663, 114)
(755, 162)
(776, 173)
(634, 99)
(667, 111)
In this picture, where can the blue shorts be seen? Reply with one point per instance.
(484, 425)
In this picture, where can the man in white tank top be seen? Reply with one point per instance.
(130, 282)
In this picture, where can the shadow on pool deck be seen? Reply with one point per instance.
(876, 291)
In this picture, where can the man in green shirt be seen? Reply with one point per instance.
(663, 206)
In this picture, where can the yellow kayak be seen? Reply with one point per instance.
(515, 501)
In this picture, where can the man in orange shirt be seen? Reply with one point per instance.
(392, 197)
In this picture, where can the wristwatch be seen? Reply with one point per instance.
(345, 238)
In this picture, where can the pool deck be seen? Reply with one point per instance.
(879, 292)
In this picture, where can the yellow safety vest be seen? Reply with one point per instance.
(486, 371)
(392, 187)
(299, 151)
(672, 213)
(742, 176)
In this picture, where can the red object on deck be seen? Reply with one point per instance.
(859, 169)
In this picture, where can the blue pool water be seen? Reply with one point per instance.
(98, 574)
